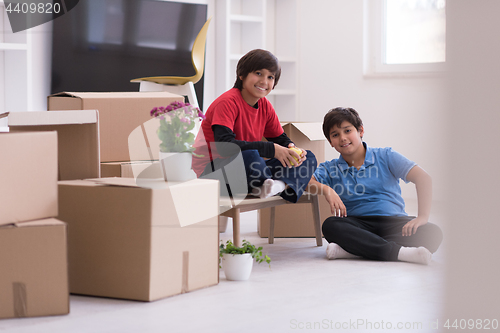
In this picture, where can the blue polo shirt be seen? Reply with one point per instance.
(374, 188)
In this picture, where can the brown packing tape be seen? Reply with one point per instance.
(185, 272)
(20, 300)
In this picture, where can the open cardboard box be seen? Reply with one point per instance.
(296, 220)
(119, 114)
(308, 136)
(140, 242)
(28, 176)
(78, 138)
(34, 269)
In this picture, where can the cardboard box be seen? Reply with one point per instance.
(296, 220)
(134, 169)
(308, 136)
(28, 176)
(78, 138)
(292, 220)
(140, 243)
(119, 114)
(34, 271)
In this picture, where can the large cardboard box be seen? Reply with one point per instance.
(34, 271)
(78, 138)
(296, 220)
(119, 114)
(140, 243)
(28, 176)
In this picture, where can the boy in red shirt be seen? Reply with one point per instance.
(234, 126)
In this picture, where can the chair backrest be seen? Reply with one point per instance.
(198, 52)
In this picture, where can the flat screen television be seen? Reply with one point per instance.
(100, 45)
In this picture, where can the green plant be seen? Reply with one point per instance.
(246, 247)
(177, 120)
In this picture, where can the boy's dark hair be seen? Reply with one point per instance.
(335, 117)
(255, 60)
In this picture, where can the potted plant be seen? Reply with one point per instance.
(177, 124)
(237, 262)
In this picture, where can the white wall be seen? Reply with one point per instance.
(404, 113)
(41, 65)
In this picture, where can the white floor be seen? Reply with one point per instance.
(301, 292)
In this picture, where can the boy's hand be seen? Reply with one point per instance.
(301, 157)
(411, 227)
(337, 207)
(287, 156)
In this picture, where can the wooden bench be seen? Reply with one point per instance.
(230, 209)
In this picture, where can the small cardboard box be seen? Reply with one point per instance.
(34, 269)
(133, 169)
(78, 138)
(119, 114)
(28, 176)
(296, 220)
(140, 243)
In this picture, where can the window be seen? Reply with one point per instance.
(404, 37)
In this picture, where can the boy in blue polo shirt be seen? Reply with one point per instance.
(362, 188)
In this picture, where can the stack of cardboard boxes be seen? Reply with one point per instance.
(33, 256)
(139, 239)
(136, 238)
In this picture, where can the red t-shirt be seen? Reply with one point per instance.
(246, 122)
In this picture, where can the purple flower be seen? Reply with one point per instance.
(188, 111)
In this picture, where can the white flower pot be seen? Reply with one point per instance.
(237, 267)
(176, 167)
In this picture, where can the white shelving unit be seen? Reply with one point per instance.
(282, 41)
(15, 68)
(243, 25)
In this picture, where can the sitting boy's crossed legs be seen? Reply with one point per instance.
(380, 238)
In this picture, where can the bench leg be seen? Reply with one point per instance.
(271, 225)
(236, 228)
(316, 220)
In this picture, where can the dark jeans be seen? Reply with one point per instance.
(379, 237)
(256, 170)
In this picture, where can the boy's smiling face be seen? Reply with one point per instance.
(347, 140)
(256, 85)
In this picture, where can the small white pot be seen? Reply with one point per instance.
(237, 267)
(176, 167)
